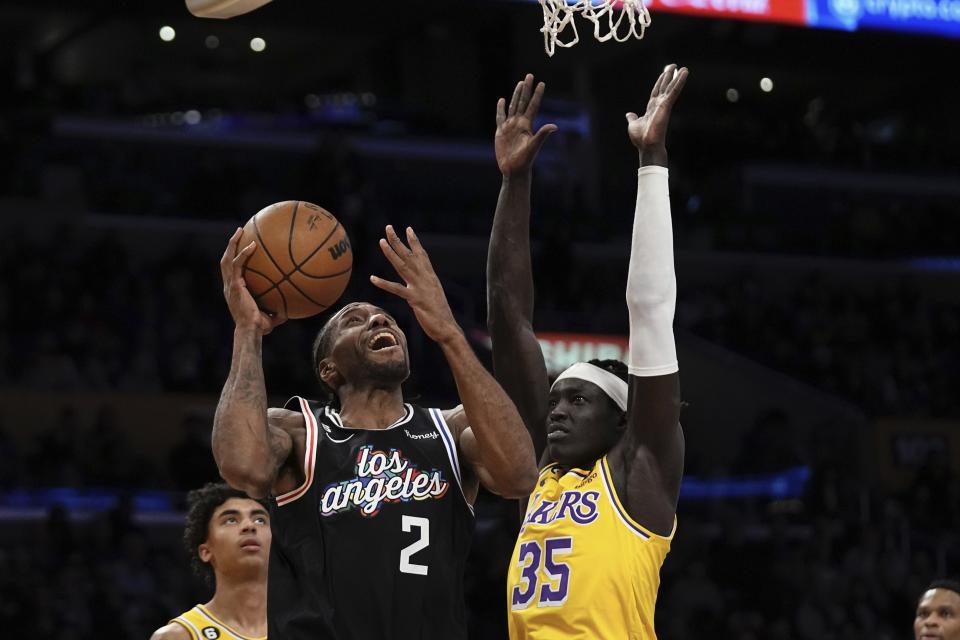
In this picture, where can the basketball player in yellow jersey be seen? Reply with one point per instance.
(228, 539)
(600, 521)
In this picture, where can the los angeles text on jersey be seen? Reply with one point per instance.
(381, 476)
(578, 506)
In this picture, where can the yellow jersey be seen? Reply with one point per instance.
(203, 625)
(582, 568)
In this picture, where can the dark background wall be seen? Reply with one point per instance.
(817, 237)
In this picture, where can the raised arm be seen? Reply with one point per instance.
(503, 456)
(652, 448)
(248, 449)
(517, 359)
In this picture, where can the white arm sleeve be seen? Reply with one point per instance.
(651, 280)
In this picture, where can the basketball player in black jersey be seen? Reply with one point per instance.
(371, 498)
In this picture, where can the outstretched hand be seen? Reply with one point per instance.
(422, 289)
(243, 307)
(515, 144)
(648, 133)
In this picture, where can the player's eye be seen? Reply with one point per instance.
(552, 402)
(261, 520)
(230, 520)
(353, 320)
(579, 399)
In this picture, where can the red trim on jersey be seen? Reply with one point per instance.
(309, 457)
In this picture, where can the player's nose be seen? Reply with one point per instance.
(379, 320)
(557, 413)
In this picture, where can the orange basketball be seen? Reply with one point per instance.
(303, 259)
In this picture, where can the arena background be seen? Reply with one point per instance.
(818, 258)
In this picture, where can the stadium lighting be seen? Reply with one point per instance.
(212, 42)
(732, 95)
(167, 33)
(192, 117)
(258, 44)
(766, 85)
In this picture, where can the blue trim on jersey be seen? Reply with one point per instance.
(614, 500)
(447, 436)
(447, 441)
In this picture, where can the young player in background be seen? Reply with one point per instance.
(228, 538)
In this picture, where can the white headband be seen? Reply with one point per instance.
(609, 383)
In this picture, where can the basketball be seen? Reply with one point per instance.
(303, 259)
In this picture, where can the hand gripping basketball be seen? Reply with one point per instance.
(246, 314)
(515, 144)
(423, 291)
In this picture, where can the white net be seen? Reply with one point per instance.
(618, 20)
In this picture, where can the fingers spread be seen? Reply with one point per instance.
(677, 85)
(396, 243)
(656, 86)
(541, 136)
(414, 241)
(512, 109)
(392, 256)
(390, 287)
(501, 111)
(525, 94)
(669, 74)
(631, 116)
(534, 105)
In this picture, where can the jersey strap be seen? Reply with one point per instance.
(309, 455)
(446, 436)
(621, 511)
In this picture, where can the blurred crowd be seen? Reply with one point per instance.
(842, 561)
(101, 319)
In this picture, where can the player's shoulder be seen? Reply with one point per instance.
(172, 631)
(286, 419)
(455, 418)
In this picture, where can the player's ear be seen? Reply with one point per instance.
(204, 552)
(330, 375)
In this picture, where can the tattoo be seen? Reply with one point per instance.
(241, 433)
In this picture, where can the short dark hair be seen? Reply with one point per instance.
(321, 349)
(615, 367)
(944, 583)
(201, 504)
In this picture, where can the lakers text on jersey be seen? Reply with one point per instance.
(582, 568)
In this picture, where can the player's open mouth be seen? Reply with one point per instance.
(383, 340)
(250, 545)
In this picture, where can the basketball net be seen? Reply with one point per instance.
(618, 20)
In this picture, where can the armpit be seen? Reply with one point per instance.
(290, 421)
(456, 419)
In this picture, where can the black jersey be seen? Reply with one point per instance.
(373, 545)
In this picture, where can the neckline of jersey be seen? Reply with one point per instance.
(338, 421)
(203, 609)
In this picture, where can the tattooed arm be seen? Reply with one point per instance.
(250, 446)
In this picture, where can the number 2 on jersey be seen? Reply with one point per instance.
(530, 556)
(423, 524)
